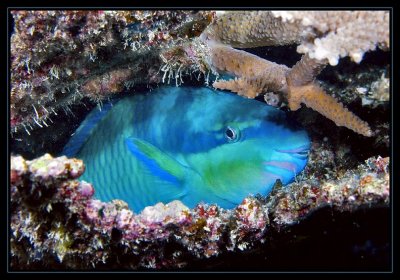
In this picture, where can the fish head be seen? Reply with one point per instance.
(257, 145)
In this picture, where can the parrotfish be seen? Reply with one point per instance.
(189, 144)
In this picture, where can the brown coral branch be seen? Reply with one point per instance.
(305, 70)
(258, 75)
(314, 97)
(303, 90)
(324, 37)
(243, 64)
(242, 86)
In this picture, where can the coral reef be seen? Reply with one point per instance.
(314, 97)
(55, 224)
(59, 57)
(346, 33)
(96, 54)
(322, 36)
(254, 74)
(64, 60)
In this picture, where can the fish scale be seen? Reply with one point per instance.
(173, 143)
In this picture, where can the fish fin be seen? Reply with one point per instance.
(83, 132)
(160, 165)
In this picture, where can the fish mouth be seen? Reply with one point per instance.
(282, 164)
(300, 152)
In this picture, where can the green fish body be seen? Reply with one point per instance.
(190, 144)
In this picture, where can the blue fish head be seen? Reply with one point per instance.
(251, 146)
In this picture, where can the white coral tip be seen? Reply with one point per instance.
(285, 15)
(357, 56)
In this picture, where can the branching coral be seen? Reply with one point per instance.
(314, 97)
(321, 34)
(255, 74)
(344, 33)
(302, 89)
(323, 37)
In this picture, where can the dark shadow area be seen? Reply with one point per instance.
(328, 240)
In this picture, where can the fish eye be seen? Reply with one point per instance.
(231, 134)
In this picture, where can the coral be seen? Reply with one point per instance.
(95, 54)
(378, 93)
(60, 57)
(48, 64)
(111, 82)
(380, 89)
(323, 36)
(345, 33)
(56, 224)
(256, 75)
(314, 97)
(242, 86)
(369, 183)
(302, 89)
(247, 29)
(184, 59)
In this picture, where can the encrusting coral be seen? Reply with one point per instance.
(60, 57)
(323, 37)
(56, 223)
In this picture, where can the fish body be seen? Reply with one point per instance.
(186, 143)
